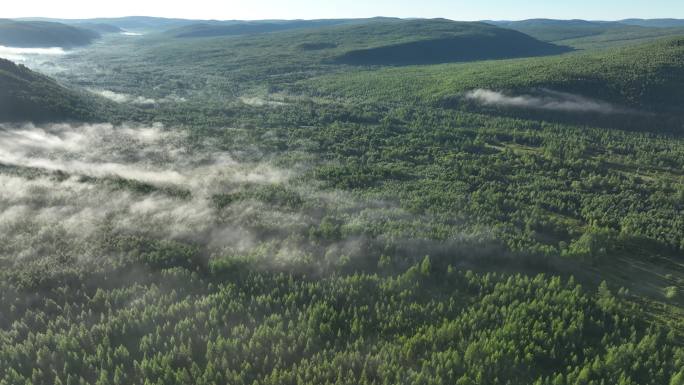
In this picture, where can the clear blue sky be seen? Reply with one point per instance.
(309, 9)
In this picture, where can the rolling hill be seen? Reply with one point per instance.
(656, 23)
(235, 28)
(238, 64)
(555, 30)
(41, 34)
(101, 28)
(28, 96)
(649, 76)
(385, 41)
(138, 23)
(440, 41)
(583, 34)
(143, 23)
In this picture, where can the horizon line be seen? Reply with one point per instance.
(336, 18)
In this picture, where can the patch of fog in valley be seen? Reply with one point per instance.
(544, 99)
(151, 155)
(46, 60)
(21, 54)
(124, 98)
(64, 184)
(105, 68)
(257, 101)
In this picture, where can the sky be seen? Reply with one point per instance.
(314, 9)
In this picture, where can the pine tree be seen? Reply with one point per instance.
(678, 379)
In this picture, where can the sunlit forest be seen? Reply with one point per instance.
(341, 201)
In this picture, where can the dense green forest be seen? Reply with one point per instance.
(647, 76)
(245, 207)
(29, 96)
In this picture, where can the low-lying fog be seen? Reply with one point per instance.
(35, 58)
(544, 99)
(66, 182)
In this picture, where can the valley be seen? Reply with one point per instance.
(345, 201)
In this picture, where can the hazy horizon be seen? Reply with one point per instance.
(308, 9)
(334, 18)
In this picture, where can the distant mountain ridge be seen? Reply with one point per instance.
(659, 23)
(583, 34)
(123, 23)
(244, 28)
(656, 23)
(234, 28)
(150, 23)
(556, 30)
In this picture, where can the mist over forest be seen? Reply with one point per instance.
(343, 201)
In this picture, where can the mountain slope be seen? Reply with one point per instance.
(649, 76)
(386, 41)
(443, 41)
(28, 96)
(584, 34)
(555, 30)
(101, 28)
(240, 63)
(35, 34)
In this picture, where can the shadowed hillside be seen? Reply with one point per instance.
(469, 42)
(28, 96)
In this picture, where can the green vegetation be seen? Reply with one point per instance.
(427, 325)
(648, 76)
(28, 96)
(458, 42)
(275, 215)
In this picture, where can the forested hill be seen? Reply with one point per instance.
(583, 34)
(101, 28)
(555, 30)
(28, 96)
(440, 41)
(648, 76)
(657, 23)
(44, 34)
